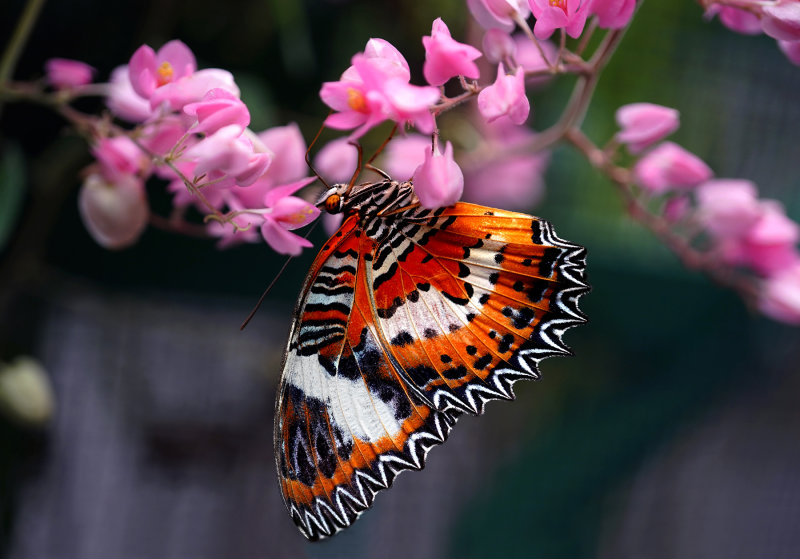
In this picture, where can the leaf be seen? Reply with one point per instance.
(12, 189)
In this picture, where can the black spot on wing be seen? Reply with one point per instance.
(402, 339)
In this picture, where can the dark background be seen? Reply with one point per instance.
(672, 432)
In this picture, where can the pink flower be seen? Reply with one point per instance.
(189, 89)
(289, 149)
(114, 213)
(780, 296)
(530, 58)
(376, 88)
(770, 245)
(150, 70)
(382, 52)
(559, 14)
(500, 14)
(739, 20)
(286, 213)
(505, 97)
(438, 181)
(162, 135)
(404, 155)
(118, 157)
(230, 153)
(782, 20)
(446, 58)
(123, 101)
(494, 177)
(218, 108)
(670, 166)
(644, 124)
(728, 208)
(792, 50)
(676, 208)
(63, 73)
(613, 14)
(337, 160)
(498, 46)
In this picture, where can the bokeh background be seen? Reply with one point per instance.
(673, 432)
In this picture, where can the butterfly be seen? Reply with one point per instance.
(408, 319)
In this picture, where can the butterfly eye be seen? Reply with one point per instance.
(332, 203)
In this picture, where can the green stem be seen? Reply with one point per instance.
(18, 39)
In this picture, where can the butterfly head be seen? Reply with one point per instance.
(331, 200)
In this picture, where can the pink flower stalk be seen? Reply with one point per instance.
(644, 124)
(217, 109)
(115, 213)
(780, 296)
(782, 20)
(123, 101)
(229, 152)
(792, 50)
(438, 181)
(337, 161)
(550, 15)
(405, 154)
(118, 157)
(670, 166)
(63, 73)
(498, 46)
(505, 98)
(739, 20)
(150, 70)
(499, 14)
(613, 14)
(376, 88)
(446, 58)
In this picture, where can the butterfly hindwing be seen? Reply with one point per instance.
(407, 321)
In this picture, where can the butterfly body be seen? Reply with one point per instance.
(409, 318)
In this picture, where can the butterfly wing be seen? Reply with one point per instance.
(344, 416)
(396, 337)
(477, 297)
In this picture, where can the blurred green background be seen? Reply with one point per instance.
(674, 401)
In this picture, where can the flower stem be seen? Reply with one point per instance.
(18, 39)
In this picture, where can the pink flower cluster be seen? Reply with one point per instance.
(779, 19)
(569, 15)
(192, 130)
(742, 230)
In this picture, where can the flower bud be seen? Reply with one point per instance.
(63, 73)
(505, 97)
(782, 20)
(643, 124)
(670, 166)
(439, 181)
(498, 45)
(780, 296)
(115, 214)
(446, 58)
(25, 392)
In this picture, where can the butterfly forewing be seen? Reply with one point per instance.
(409, 319)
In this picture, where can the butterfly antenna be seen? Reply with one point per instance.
(273, 282)
(380, 149)
(358, 167)
(308, 151)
